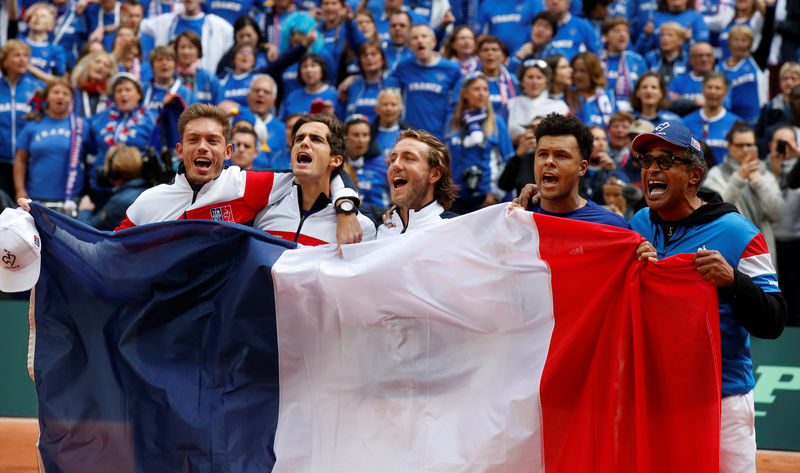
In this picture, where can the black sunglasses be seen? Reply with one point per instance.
(664, 161)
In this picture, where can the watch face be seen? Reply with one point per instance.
(347, 206)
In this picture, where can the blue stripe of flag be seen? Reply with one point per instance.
(156, 347)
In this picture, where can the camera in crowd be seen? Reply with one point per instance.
(472, 178)
(156, 168)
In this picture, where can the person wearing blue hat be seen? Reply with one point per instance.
(730, 252)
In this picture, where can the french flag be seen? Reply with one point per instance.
(493, 342)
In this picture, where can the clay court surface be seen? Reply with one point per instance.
(18, 451)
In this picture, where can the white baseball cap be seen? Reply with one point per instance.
(20, 250)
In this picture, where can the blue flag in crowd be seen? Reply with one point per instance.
(146, 368)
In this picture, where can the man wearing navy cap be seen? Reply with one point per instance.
(730, 252)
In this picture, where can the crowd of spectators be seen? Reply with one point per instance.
(87, 84)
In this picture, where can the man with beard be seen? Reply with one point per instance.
(729, 252)
(563, 148)
(420, 183)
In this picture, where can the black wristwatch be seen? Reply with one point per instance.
(346, 207)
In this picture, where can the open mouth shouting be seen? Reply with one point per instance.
(202, 164)
(304, 158)
(656, 187)
(398, 183)
(549, 180)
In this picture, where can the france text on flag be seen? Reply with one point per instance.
(492, 342)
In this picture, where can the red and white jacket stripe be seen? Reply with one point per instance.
(235, 195)
(284, 220)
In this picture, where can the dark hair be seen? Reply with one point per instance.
(570, 96)
(708, 156)
(553, 60)
(243, 22)
(555, 124)
(447, 47)
(784, 126)
(247, 131)
(204, 110)
(549, 17)
(535, 63)
(488, 39)
(363, 50)
(697, 160)
(636, 102)
(401, 12)
(661, 5)
(445, 191)
(335, 135)
(192, 37)
(613, 21)
(738, 127)
(317, 59)
(354, 119)
(132, 3)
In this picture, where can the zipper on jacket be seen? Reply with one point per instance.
(300, 226)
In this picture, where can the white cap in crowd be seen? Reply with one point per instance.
(20, 250)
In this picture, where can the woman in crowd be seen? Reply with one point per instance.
(748, 82)
(245, 31)
(681, 12)
(479, 146)
(460, 48)
(235, 84)
(204, 85)
(314, 78)
(669, 59)
(164, 87)
(534, 78)
(127, 51)
(561, 83)
(649, 99)
(126, 122)
(91, 79)
(747, 12)
(49, 163)
(362, 92)
(369, 166)
(596, 103)
(545, 26)
(712, 122)
(16, 89)
(366, 24)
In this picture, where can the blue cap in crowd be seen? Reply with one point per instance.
(674, 133)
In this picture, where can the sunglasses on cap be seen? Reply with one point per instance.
(471, 76)
(664, 161)
(535, 63)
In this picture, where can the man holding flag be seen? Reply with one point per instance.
(730, 252)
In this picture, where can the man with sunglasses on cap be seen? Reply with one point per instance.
(730, 252)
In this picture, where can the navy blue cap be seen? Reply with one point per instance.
(674, 133)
